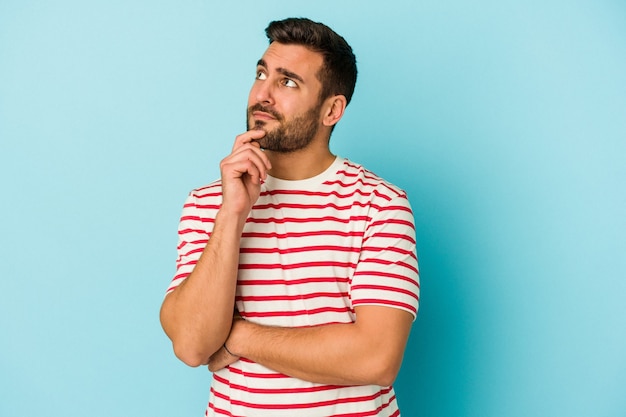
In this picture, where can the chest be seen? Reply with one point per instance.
(297, 258)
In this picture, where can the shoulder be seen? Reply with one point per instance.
(208, 191)
(356, 175)
(204, 198)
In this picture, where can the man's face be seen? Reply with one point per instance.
(284, 99)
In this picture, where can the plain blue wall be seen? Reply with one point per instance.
(504, 120)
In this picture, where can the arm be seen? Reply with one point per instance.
(384, 292)
(197, 315)
(368, 351)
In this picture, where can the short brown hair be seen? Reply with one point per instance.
(338, 73)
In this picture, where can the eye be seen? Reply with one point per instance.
(287, 82)
(260, 75)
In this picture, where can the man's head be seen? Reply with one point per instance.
(304, 81)
(338, 73)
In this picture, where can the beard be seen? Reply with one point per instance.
(289, 136)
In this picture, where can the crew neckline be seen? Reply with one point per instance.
(273, 183)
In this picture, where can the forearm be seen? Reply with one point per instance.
(327, 355)
(197, 315)
(360, 353)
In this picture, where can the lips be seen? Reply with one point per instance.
(260, 112)
(261, 115)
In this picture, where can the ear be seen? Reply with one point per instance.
(334, 107)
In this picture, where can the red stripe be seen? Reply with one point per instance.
(354, 166)
(205, 195)
(384, 288)
(395, 208)
(179, 276)
(384, 302)
(197, 219)
(203, 206)
(307, 219)
(292, 282)
(388, 249)
(208, 191)
(246, 314)
(302, 234)
(298, 265)
(198, 242)
(398, 193)
(186, 231)
(387, 222)
(238, 371)
(377, 193)
(220, 411)
(196, 250)
(387, 263)
(170, 288)
(386, 275)
(391, 236)
(352, 184)
(349, 174)
(302, 249)
(192, 262)
(309, 206)
(291, 297)
(316, 388)
(373, 412)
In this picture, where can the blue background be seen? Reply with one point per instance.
(505, 121)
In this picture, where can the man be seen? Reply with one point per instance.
(297, 279)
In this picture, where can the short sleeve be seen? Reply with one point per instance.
(194, 230)
(387, 272)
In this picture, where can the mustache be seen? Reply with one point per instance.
(265, 109)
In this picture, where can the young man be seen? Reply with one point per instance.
(297, 279)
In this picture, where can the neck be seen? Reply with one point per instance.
(301, 164)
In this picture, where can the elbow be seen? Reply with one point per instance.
(185, 347)
(190, 357)
(386, 379)
(385, 370)
(190, 351)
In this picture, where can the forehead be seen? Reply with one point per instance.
(293, 58)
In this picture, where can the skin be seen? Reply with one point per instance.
(368, 351)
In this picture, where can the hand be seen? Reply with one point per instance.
(221, 359)
(242, 172)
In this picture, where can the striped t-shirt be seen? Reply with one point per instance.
(311, 251)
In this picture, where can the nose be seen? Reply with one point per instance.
(262, 92)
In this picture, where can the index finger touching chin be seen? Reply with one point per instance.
(248, 137)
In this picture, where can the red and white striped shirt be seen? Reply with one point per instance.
(311, 251)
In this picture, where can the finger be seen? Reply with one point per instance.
(251, 146)
(239, 168)
(221, 359)
(251, 136)
(252, 153)
(246, 156)
(214, 361)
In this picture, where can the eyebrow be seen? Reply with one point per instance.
(283, 71)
